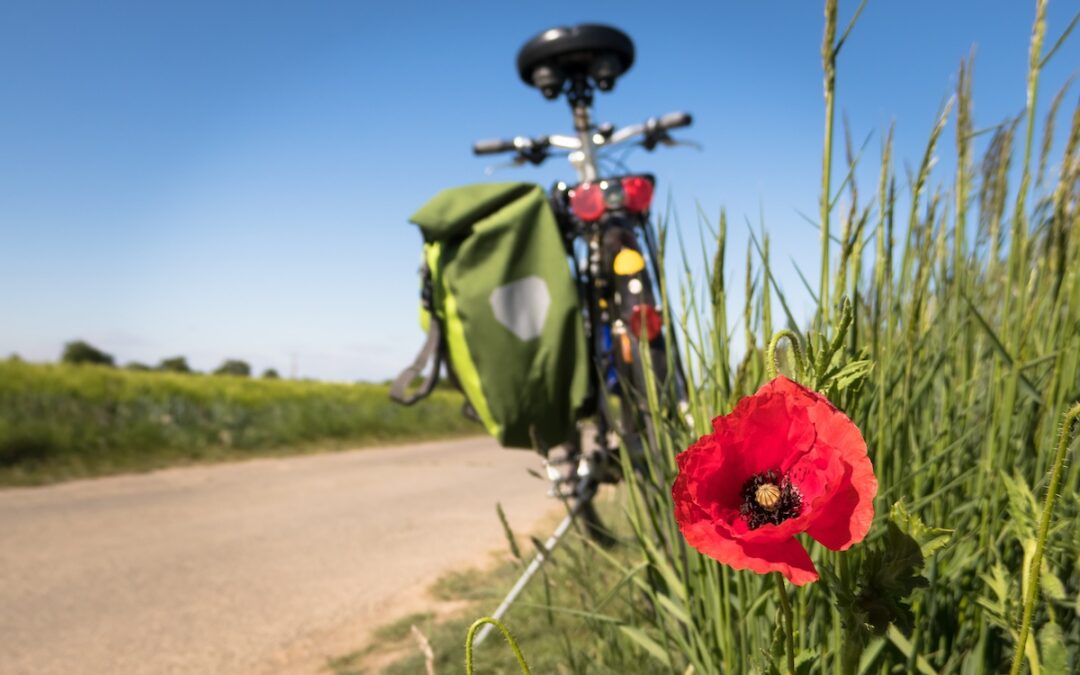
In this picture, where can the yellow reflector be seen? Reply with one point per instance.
(628, 262)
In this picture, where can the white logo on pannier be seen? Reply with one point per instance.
(522, 306)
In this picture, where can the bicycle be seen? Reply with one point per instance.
(604, 218)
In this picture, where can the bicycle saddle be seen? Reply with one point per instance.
(586, 51)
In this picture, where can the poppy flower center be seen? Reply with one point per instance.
(769, 499)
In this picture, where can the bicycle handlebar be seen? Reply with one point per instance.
(675, 120)
(651, 129)
(492, 146)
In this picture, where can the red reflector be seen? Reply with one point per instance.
(653, 322)
(638, 193)
(587, 202)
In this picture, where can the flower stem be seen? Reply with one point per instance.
(506, 634)
(1044, 530)
(785, 610)
(770, 355)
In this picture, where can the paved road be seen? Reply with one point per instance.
(264, 566)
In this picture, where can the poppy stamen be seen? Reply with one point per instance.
(769, 498)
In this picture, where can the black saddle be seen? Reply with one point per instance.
(584, 54)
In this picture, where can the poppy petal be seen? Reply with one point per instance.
(846, 518)
(787, 557)
(765, 432)
(707, 477)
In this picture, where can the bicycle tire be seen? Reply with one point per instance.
(595, 529)
(635, 415)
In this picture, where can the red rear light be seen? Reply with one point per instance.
(653, 322)
(638, 192)
(587, 202)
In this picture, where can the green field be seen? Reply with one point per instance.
(63, 421)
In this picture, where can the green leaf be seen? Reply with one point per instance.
(1049, 583)
(888, 576)
(870, 655)
(805, 660)
(1023, 511)
(887, 573)
(647, 643)
(930, 539)
(1055, 657)
(998, 582)
(660, 564)
(510, 538)
(904, 645)
(777, 659)
(678, 613)
(847, 376)
(1031, 651)
(540, 548)
(1025, 383)
(973, 661)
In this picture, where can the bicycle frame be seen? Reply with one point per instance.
(582, 148)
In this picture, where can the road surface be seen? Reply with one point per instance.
(264, 566)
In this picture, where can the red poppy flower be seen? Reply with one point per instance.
(784, 461)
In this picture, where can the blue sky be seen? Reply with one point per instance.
(229, 179)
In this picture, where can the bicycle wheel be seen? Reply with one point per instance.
(638, 345)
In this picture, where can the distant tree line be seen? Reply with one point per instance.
(82, 352)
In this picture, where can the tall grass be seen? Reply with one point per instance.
(948, 329)
(63, 421)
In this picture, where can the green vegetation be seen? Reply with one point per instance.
(957, 353)
(63, 421)
(175, 364)
(956, 350)
(80, 351)
(234, 367)
(947, 326)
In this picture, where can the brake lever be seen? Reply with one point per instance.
(671, 142)
(492, 168)
(654, 136)
(534, 154)
(662, 137)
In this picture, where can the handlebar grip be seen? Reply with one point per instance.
(675, 120)
(492, 146)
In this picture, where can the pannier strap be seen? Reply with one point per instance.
(431, 351)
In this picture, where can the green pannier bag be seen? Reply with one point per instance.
(500, 305)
